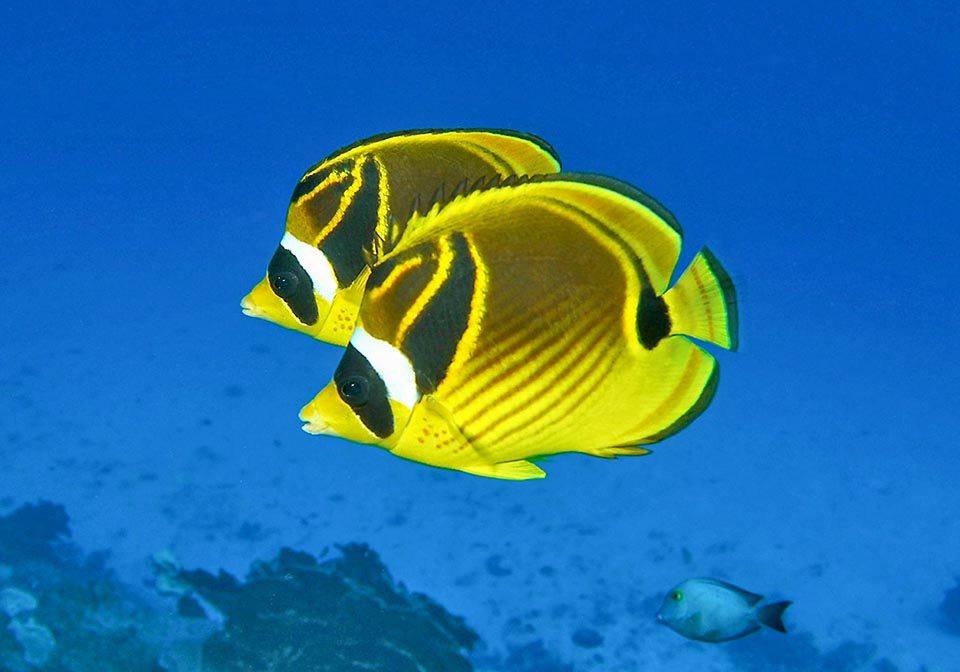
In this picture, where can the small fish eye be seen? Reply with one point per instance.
(355, 390)
(284, 284)
(677, 595)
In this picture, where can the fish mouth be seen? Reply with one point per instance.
(316, 428)
(314, 424)
(250, 309)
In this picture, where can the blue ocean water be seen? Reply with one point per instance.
(146, 160)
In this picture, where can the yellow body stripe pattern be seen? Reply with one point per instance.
(518, 385)
(533, 376)
(620, 253)
(471, 334)
(383, 230)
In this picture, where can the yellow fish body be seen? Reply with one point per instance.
(344, 204)
(530, 320)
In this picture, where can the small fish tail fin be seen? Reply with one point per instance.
(703, 302)
(771, 615)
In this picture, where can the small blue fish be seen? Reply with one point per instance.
(713, 611)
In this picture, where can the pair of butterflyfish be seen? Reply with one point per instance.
(494, 310)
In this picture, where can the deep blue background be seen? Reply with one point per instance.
(147, 156)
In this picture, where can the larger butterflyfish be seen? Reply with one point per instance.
(346, 203)
(527, 320)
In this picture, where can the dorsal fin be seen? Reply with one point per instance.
(459, 190)
(477, 185)
(443, 196)
(416, 208)
(374, 249)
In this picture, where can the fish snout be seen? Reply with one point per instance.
(250, 308)
(314, 423)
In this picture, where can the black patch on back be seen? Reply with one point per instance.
(345, 244)
(321, 206)
(386, 268)
(292, 284)
(405, 290)
(308, 184)
(376, 413)
(653, 318)
(433, 339)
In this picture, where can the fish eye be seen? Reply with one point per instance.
(676, 595)
(284, 283)
(355, 390)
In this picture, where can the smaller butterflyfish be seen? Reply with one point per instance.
(714, 611)
(528, 320)
(346, 203)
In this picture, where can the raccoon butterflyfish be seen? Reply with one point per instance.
(528, 320)
(342, 205)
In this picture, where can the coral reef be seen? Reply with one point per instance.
(62, 611)
(296, 613)
(65, 612)
(34, 532)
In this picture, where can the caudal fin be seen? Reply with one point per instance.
(703, 303)
(771, 615)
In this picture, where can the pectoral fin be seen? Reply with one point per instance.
(433, 437)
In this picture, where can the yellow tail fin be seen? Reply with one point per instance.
(703, 303)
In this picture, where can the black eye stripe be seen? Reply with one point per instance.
(290, 282)
(354, 372)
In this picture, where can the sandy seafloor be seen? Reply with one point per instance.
(144, 193)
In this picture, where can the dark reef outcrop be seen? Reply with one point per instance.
(63, 611)
(341, 615)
